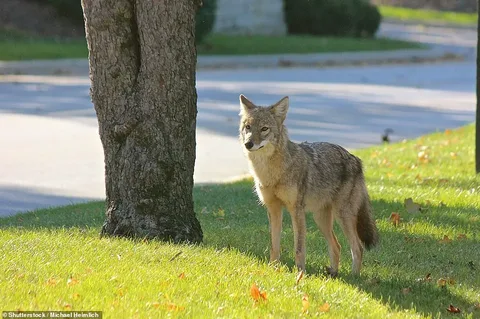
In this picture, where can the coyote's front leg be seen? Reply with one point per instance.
(274, 208)
(299, 234)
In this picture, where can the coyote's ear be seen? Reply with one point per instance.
(245, 105)
(280, 108)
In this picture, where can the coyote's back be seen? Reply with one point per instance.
(321, 178)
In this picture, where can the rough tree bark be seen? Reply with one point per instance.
(142, 68)
(477, 122)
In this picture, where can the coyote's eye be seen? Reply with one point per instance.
(264, 129)
(247, 127)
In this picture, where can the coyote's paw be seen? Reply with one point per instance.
(330, 272)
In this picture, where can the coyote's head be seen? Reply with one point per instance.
(262, 127)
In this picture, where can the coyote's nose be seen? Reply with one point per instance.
(249, 145)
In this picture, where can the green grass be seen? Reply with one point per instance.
(17, 46)
(423, 15)
(11, 50)
(40, 251)
(256, 44)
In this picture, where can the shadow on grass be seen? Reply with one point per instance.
(394, 272)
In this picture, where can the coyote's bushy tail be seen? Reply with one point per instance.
(366, 228)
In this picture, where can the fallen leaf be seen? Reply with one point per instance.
(263, 294)
(451, 281)
(461, 236)
(453, 309)
(305, 303)
(411, 206)
(324, 308)
(67, 306)
(51, 282)
(72, 281)
(255, 292)
(406, 291)
(395, 218)
(182, 275)
(445, 239)
(428, 277)
(173, 307)
(441, 282)
(299, 277)
(75, 296)
(422, 156)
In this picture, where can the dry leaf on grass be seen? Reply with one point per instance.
(173, 307)
(257, 294)
(299, 277)
(52, 282)
(428, 277)
(395, 218)
(324, 308)
(422, 157)
(442, 282)
(453, 309)
(72, 281)
(305, 303)
(445, 240)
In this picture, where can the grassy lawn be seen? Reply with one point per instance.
(423, 15)
(54, 259)
(24, 48)
(228, 45)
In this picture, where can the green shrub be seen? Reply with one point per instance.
(331, 17)
(205, 20)
(72, 10)
(369, 19)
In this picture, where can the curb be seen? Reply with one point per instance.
(329, 59)
(77, 67)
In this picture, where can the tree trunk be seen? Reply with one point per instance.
(142, 68)
(477, 122)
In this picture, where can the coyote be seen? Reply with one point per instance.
(321, 178)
